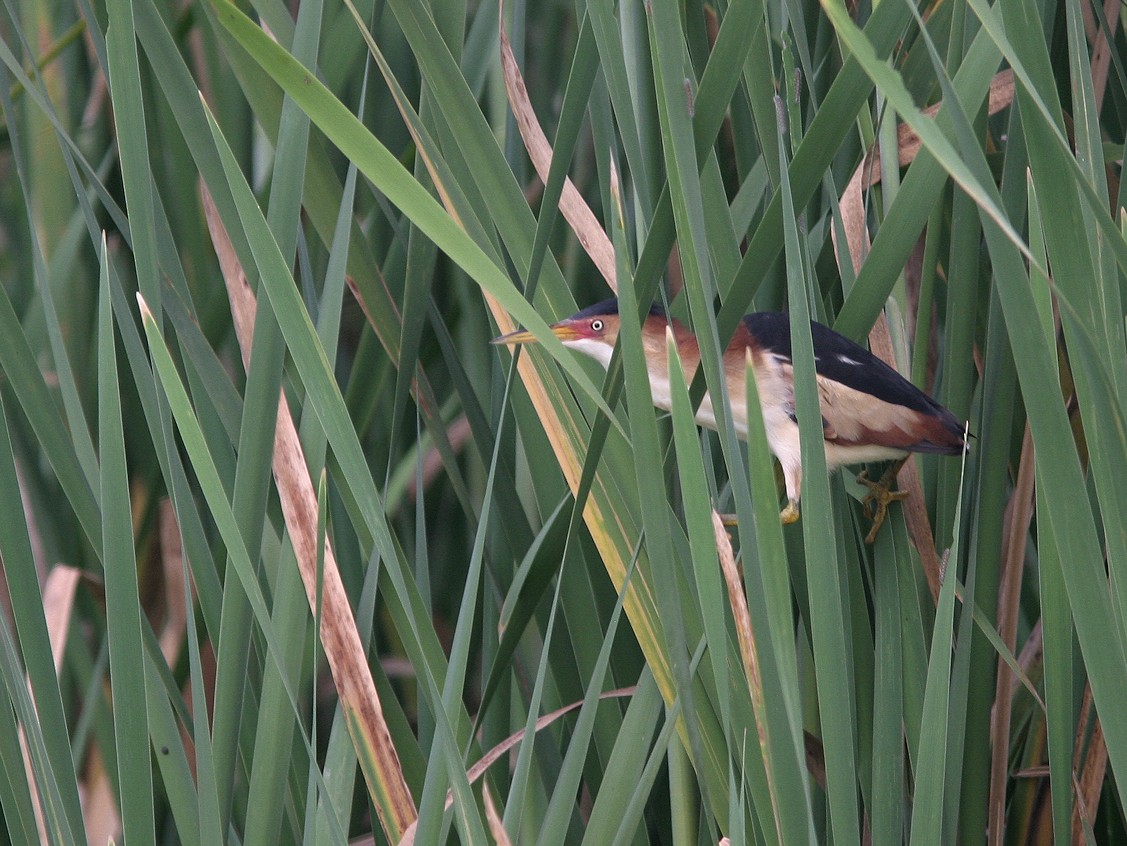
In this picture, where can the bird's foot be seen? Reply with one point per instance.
(880, 495)
(790, 513)
(787, 515)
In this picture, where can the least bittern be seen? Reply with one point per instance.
(869, 411)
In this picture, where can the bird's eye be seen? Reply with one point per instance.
(596, 325)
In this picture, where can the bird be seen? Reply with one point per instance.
(870, 413)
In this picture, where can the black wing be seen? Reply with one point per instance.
(838, 358)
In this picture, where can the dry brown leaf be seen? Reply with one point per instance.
(58, 600)
(749, 652)
(1088, 774)
(339, 637)
(459, 434)
(574, 208)
(100, 815)
(175, 600)
(38, 556)
(868, 173)
(1101, 49)
(857, 243)
(496, 825)
(1019, 515)
(915, 512)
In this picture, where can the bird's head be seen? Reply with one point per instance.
(592, 331)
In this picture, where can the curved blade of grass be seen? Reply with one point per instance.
(667, 42)
(687, 201)
(249, 502)
(312, 364)
(554, 823)
(1033, 68)
(1073, 518)
(626, 765)
(324, 396)
(1078, 277)
(375, 162)
(822, 141)
(916, 198)
(321, 199)
(55, 780)
(197, 552)
(532, 579)
(18, 363)
(892, 86)
(1072, 522)
(47, 280)
(41, 812)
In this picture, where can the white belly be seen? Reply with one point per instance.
(706, 414)
(776, 395)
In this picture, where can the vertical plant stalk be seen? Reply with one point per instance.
(58, 600)
(1089, 765)
(344, 651)
(868, 174)
(1020, 515)
(1101, 49)
(496, 826)
(175, 600)
(749, 652)
(482, 765)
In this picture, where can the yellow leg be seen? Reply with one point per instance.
(880, 495)
(790, 513)
(787, 515)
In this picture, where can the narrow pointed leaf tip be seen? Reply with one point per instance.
(143, 307)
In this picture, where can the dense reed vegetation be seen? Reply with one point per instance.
(292, 554)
